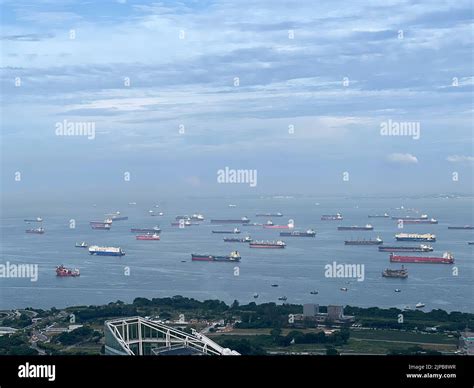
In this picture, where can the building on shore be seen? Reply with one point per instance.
(466, 343)
(334, 314)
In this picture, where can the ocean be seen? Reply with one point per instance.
(154, 269)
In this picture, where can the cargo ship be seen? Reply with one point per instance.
(269, 214)
(62, 271)
(116, 216)
(148, 236)
(467, 227)
(356, 227)
(377, 241)
(232, 257)
(308, 233)
(155, 229)
(81, 245)
(419, 221)
(101, 226)
(422, 217)
(447, 258)
(243, 220)
(186, 218)
(332, 217)
(415, 237)
(246, 239)
(385, 215)
(267, 244)
(182, 223)
(234, 231)
(395, 273)
(106, 251)
(37, 219)
(415, 248)
(35, 231)
(268, 226)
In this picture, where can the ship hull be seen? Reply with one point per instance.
(415, 239)
(276, 227)
(297, 234)
(145, 230)
(266, 246)
(224, 232)
(353, 228)
(403, 249)
(363, 242)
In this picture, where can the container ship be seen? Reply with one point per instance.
(37, 219)
(232, 257)
(148, 236)
(419, 221)
(332, 217)
(467, 227)
(155, 229)
(267, 244)
(377, 241)
(234, 231)
(355, 227)
(395, 273)
(243, 220)
(246, 239)
(308, 233)
(106, 251)
(269, 214)
(62, 271)
(447, 258)
(35, 231)
(385, 215)
(415, 248)
(422, 217)
(415, 237)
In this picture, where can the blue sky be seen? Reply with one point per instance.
(404, 61)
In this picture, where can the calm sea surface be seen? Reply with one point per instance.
(157, 270)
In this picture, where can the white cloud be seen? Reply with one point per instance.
(460, 158)
(402, 158)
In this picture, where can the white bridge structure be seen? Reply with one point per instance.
(141, 336)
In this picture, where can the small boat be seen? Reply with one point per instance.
(62, 271)
(160, 214)
(343, 288)
(132, 203)
(81, 245)
(255, 296)
(420, 305)
(274, 285)
(232, 205)
(314, 292)
(398, 290)
(283, 298)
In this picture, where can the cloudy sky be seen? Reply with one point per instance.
(298, 91)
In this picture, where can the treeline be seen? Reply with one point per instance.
(80, 334)
(15, 344)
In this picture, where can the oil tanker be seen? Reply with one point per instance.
(447, 258)
(308, 233)
(232, 257)
(415, 237)
(267, 244)
(62, 271)
(415, 248)
(377, 241)
(243, 220)
(105, 251)
(356, 227)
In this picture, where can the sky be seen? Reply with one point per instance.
(296, 91)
